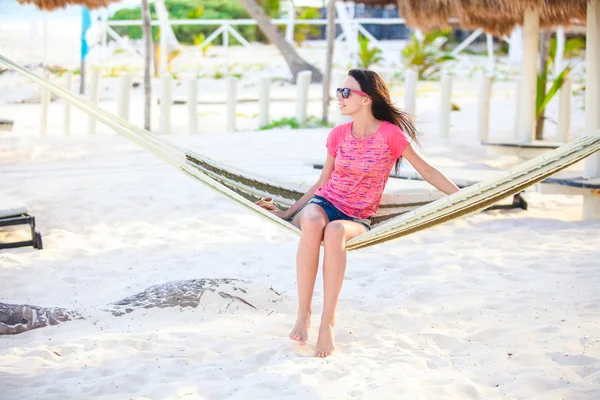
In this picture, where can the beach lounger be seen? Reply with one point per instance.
(577, 186)
(522, 150)
(13, 213)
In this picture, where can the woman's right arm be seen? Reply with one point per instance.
(325, 174)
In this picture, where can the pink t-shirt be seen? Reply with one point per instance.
(362, 168)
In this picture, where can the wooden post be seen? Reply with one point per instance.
(483, 116)
(591, 203)
(45, 93)
(232, 84)
(489, 39)
(124, 96)
(531, 31)
(94, 80)
(518, 106)
(560, 50)
(265, 93)
(192, 102)
(45, 103)
(226, 46)
(67, 120)
(410, 92)
(302, 86)
(445, 104)
(564, 111)
(166, 102)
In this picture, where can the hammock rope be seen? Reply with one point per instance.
(245, 188)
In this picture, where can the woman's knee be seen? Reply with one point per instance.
(335, 232)
(312, 219)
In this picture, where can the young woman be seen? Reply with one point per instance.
(340, 205)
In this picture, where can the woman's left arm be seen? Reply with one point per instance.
(429, 172)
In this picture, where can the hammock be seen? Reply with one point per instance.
(395, 219)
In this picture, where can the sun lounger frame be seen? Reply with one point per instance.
(22, 219)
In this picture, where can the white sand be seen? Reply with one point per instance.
(496, 305)
(433, 315)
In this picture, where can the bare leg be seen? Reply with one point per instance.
(312, 221)
(334, 267)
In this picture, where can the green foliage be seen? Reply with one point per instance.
(425, 56)
(304, 31)
(573, 48)
(367, 56)
(543, 97)
(57, 70)
(271, 7)
(310, 123)
(198, 40)
(189, 9)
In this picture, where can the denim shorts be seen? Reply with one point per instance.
(334, 214)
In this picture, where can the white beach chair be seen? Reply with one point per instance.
(13, 213)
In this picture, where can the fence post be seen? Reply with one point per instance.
(192, 102)
(232, 84)
(302, 86)
(445, 104)
(124, 96)
(68, 86)
(166, 102)
(410, 91)
(265, 89)
(94, 80)
(483, 116)
(564, 111)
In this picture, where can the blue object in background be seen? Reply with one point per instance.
(86, 23)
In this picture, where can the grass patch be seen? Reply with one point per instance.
(292, 123)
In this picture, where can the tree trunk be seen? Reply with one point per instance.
(148, 56)
(543, 68)
(293, 60)
(329, 58)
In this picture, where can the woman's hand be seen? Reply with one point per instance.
(267, 204)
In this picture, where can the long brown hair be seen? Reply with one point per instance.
(382, 107)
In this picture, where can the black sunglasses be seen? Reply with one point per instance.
(345, 92)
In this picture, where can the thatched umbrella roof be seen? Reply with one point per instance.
(51, 5)
(494, 16)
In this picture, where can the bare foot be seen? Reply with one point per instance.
(300, 331)
(325, 344)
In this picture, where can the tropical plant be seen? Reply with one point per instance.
(425, 56)
(303, 31)
(199, 40)
(572, 48)
(367, 56)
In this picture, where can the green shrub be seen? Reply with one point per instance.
(311, 122)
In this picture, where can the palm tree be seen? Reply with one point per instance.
(292, 58)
